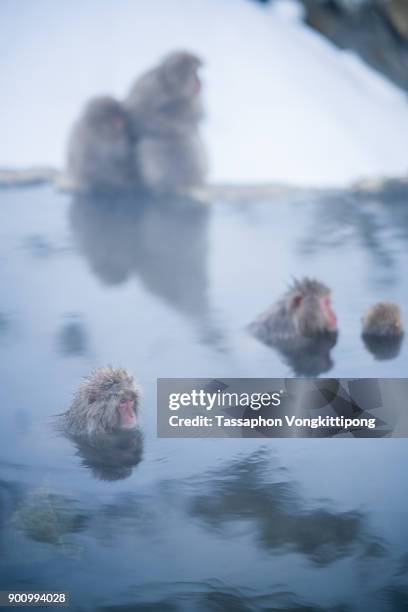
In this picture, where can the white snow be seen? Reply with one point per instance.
(283, 104)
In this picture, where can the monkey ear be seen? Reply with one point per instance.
(296, 301)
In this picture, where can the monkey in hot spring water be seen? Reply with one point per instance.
(165, 109)
(302, 325)
(383, 330)
(105, 402)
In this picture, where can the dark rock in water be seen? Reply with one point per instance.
(48, 517)
(397, 12)
(377, 31)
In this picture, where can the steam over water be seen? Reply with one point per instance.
(167, 288)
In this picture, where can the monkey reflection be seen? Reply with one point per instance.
(110, 456)
(242, 491)
(165, 109)
(383, 348)
(72, 338)
(302, 326)
(313, 360)
(160, 240)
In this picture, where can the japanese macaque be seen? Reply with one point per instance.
(100, 149)
(105, 402)
(303, 313)
(383, 320)
(302, 325)
(383, 330)
(165, 109)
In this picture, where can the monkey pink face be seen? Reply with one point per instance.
(329, 314)
(313, 313)
(127, 413)
(190, 85)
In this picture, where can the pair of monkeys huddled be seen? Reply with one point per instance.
(108, 400)
(150, 141)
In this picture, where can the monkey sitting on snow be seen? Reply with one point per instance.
(99, 156)
(151, 143)
(165, 109)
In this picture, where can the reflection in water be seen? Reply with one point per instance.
(383, 348)
(242, 491)
(5, 326)
(395, 598)
(312, 360)
(214, 596)
(372, 219)
(244, 521)
(247, 491)
(162, 241)
(110, 456)
(72, 338)
(10, 496)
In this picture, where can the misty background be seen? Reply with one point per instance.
(285, 102)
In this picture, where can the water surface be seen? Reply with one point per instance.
(165, 289)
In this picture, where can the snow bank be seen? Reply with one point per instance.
(283, 104)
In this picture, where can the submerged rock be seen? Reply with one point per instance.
(50, 519)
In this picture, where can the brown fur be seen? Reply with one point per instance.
(296, 316)
(94, 409)
(165, 111)
(383, 320)
(100, 149)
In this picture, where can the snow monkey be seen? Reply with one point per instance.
(383, 320)
(383, 330)
(105, 402)
(165, 110)
(99, 155)
(304, 312)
